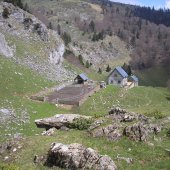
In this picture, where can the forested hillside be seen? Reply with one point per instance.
(139, 28)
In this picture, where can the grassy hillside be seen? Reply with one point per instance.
(149, 155)
(17, 84)
(139, 99)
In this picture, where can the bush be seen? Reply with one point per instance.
(168, 133)
(81, 124)
(87, 64)
(108, 69)
(6, 13)
(100, 71)
(81, 59)
(66, 38)
(156, 114)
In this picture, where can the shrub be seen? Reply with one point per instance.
(168, 133)
(108, 69)
(81, 59)
(6, 13)
(100, 71)
(66, 38)
(81, 124)
(87, 64)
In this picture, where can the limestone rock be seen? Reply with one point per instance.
(5, 49)
(47, 59)
(77, 157)
(49, 132)
(56, 55)
(121, 115)
(140, 131)
(111, 132)
(59, 120)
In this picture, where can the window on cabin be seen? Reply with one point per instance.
(119, 81)
(115, 75)
(111, 81)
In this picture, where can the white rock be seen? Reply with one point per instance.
(4, 47)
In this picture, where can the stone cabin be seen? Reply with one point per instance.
(118, 77)
(81, 79)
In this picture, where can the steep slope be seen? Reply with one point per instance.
(27, 41)
(73, 17)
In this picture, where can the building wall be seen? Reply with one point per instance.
(135, 84)
(116, 79)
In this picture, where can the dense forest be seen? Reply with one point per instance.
(143, 29)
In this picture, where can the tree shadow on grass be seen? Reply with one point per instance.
(168, 98)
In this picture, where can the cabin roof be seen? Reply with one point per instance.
(134, 78)
(83, 76)
(121, 71)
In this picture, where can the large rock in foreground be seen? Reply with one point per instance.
(77, 157)
(59, 120)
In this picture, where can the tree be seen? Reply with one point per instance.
(92, 26)
(127, 68)
(81, 59)
(108, 69)
(66, 38)
(50, 26)
(59, 29)
(87, 64)
(26, 7)
(94, 38)
(5, 13)
(100, 71)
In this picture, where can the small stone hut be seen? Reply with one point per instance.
(81, 79)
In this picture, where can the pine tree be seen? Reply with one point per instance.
(66, 38)
(127, 68)
(5, 13)
(94, 38)
(100, 71)
(87, 64)
(50, 26)
(92, 26)
(26, 7)
(108, 69)
(59, 29)
(81, 59)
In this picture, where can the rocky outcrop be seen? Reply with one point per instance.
(77, 157)
(42, 48)
(59, 121)
(4, 47)
(121, 115)
(111, 132)
(56, 55)
(140, 131)
(116, 124)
